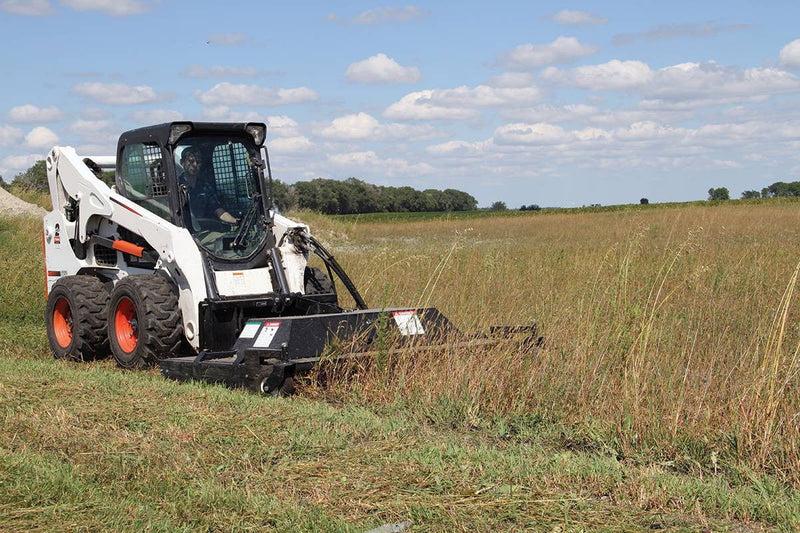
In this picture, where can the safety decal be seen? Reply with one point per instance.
(250, 329)
(408, 322)
(267, 334)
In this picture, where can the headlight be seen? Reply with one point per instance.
(258, 131)
(177, 130)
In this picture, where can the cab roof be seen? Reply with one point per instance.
(160, 132)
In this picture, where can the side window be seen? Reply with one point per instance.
(143, 178)
(234, 176)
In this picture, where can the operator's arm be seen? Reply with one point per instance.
(225, 216)
(220, 212)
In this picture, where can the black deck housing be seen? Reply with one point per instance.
(269, 350)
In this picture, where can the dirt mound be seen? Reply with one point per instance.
(12, 206)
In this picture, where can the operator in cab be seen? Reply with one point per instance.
(203, 196)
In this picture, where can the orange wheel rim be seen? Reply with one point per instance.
(126, 326)
(62, 322)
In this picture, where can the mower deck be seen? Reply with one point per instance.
(270, 350)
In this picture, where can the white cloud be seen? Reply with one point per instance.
(218, 71)
(614, 75)
(116, 93)
(381, 69)
(41, 137)
(562, 50)
(683, 86)
(90, 127)
(578, 18)
(9, 135)
(551, 113)
(459, 148)
(290, 145)
(282, 126)
(224, 113)
(790, 54)
(459, 103)
(362, 126)
(32, 8)
(96, 131)
(21, 162)
(383, 14)
(115, 8)
(226, 39)
(711, 80)
(511, 79)
(642, 131)
(252, 95)
(31, 113)
(725, 163)
(528, 134)
(156, 116)
(369, 161)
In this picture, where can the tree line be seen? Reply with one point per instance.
(351, 196)
(779, 189)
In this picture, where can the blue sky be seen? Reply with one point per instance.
(523, 102)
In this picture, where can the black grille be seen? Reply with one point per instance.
(233, 175)
(105, 256)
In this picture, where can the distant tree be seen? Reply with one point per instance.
(3, 184)
(33, 178)
(644, 201)
(751, 194)
(498, 206)
(532, 207)
(283, 196)
(720, 193)
(781, 189)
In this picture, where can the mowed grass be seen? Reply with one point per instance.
(665, 397)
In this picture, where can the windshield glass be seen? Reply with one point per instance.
(220, 179)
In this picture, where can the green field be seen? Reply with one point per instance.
(666, 397)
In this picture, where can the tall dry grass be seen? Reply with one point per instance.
(673, 332)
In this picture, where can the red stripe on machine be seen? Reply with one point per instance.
(132, 210)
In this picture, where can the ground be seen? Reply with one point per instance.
(662, 401)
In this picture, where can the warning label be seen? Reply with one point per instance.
(250, 329)
(268, 332)
(408, 322)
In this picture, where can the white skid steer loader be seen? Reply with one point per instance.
(184, 264)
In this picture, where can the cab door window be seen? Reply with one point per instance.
(143, 178)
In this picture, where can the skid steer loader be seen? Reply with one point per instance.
(185, 264)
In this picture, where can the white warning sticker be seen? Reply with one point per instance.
(408, 322)
(250, 329)
(267, 334)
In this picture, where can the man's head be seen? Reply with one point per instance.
(191, 160)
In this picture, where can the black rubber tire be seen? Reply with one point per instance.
(317, 282)
(86, 298)
(158, 325)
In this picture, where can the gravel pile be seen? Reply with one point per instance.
(11, 206)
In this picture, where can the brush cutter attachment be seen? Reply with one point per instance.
(270, 352)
